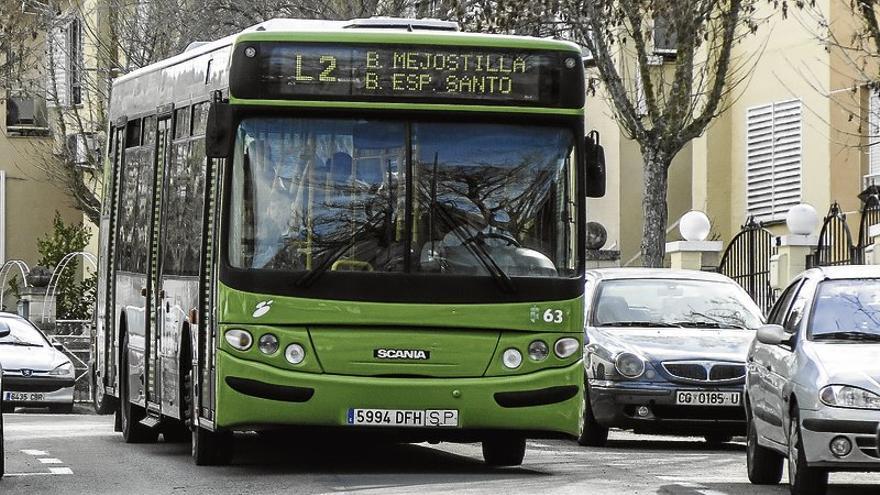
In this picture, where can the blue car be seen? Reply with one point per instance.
(665, 353)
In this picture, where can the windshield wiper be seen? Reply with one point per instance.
(709, 324)
(23, 344)
(648, 324)
(849, 335)
(477, 249)
(315, 273)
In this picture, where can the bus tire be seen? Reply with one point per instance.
(504, 451)
(102, 403)
(132, 430)
(209, 448)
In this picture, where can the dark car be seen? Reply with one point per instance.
(665, 353)
(35, 373)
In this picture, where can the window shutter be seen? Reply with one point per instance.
(665, 41)
(773, 159)
(874, 137)
(57, 87)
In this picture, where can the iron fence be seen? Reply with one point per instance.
(74, 337)
(835, 246)
(747, 261)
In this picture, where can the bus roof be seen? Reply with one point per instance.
(356, 29)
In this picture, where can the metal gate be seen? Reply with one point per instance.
(870, 216)
(747, 261)
(835, 242)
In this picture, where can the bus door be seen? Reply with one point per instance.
(156, 307)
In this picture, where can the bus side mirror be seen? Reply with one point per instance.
(594, 165)
(218, 131)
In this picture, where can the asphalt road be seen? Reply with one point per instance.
(80, 454)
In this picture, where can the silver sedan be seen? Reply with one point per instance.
(813, 380)
(35, 374)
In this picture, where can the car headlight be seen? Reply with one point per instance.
(65, 369)
(629, 365)
(849, 397)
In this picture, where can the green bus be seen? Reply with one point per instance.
(372, 226)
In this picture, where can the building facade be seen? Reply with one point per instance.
(798, 129)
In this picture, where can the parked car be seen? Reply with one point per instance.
(665, 353)
(3, 333)
(35, 373)
(813, 384)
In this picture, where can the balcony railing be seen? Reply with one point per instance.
(26, 115)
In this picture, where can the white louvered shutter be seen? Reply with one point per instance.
(773, 159)
(57, 85)
(874, 138)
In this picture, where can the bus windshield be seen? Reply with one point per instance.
(397, 196)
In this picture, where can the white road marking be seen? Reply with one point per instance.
(50, 460)
(61, 470)
(35, 452)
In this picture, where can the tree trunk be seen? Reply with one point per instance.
(654, 207)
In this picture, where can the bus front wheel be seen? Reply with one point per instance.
(504, 451)
(209, 448)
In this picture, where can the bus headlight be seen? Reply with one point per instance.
(294, 354)
(239, 339)
(511, 358)
(566, 347)
(268, 344)
(538, 350)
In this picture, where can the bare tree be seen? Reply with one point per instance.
(662, 99)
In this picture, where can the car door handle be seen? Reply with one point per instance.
(143, 291)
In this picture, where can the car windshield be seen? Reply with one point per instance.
(390, 196)
(21, 333)
(847, 310)
(674, 303)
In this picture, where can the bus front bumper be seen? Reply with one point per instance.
(253, 395)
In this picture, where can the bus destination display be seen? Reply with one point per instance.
(283, 70)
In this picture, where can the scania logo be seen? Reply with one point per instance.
(413, 354)
(27, 372)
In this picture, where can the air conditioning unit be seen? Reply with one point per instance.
(25, 114)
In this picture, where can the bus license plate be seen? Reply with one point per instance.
(23, 397)
(731, 399)
(417, 418)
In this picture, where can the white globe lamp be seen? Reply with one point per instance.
(694, 226)
(802, 219)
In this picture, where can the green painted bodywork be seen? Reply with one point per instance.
(336, 394)
(466, 341)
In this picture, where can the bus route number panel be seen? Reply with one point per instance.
(418, 418)
(424, 73)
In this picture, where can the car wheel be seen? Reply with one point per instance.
(764, 465)
(132, 430)
(590, 432)
(504, 451)
(802, 479)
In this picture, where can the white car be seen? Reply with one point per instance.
(3, 333)
(35, 373)
(813, 380)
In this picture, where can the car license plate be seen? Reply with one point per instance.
(731, 399)
(23, 397)
(418, 418)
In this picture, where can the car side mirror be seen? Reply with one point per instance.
(58, 346)
(218, 130)
(594, 165)
(772, 335)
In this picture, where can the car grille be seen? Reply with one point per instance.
(868, 446)
(705, 371)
